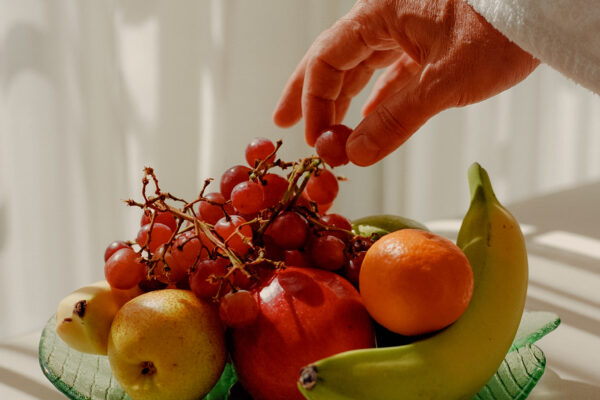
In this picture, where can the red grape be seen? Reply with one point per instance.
(331, 145)
(238, 309)
(168, 272)
(200, 279)
(297, 258)
(240, 280)
(352, 267)
(232, 231)
(187, 248)
(113, 247)
(185, 252)
(163, 217)
(337, 221)
(259, 149)
(232, 177)
(206, 242)
(323, 208)
(160, 234)
(303, 200)
(123, 270)
(288, 230)
(161, 271)
(183, 284)
(272, 251)
(322, 187)
(327, 252)
(247, 197)
(149, 284)
(274, 187)
(211, 213)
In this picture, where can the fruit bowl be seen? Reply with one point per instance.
(283, 276)
(88, 377)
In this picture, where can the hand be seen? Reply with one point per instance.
(438, 53)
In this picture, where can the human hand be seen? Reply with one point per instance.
(438, 53)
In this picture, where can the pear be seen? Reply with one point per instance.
(83, 318)
(167, 344)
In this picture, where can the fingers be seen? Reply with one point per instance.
(474, 63)
(356, 79)
(391, 81)
(288, 110)
(391, 123)
(338, 66)
(461, 60)
(317, 81)
(322, 86)
(339, 49)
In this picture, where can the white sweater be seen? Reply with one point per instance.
(564, 34)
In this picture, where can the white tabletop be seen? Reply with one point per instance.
(563, 236)
(564, 258)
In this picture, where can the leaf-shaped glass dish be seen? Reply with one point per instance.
(88, 377)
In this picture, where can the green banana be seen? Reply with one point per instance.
(458, 361)
(379, 225)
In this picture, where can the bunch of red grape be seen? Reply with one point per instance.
(266, 215)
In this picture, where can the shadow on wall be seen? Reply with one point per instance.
(28, 48)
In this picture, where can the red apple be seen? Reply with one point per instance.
(305, 315)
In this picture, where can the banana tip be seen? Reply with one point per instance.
(308, 377)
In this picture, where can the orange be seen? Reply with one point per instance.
(414, 282)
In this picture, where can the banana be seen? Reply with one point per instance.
(458, 361)
(379, 225)
(83, 318)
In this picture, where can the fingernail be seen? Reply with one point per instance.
(362, 150)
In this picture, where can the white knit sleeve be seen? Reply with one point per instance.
(564, 34)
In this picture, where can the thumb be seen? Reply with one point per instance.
(390, 124)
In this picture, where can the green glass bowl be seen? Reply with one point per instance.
(88, 377)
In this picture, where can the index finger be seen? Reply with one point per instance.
(337, 50)
(289, 107)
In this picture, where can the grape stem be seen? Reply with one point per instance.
(318, 223)
(263, 165)
(199, 225)
(293, 192)
(188, 220)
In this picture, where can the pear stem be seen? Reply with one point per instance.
(148, 368)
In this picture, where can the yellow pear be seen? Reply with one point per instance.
(83, 318)
(167, 344)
